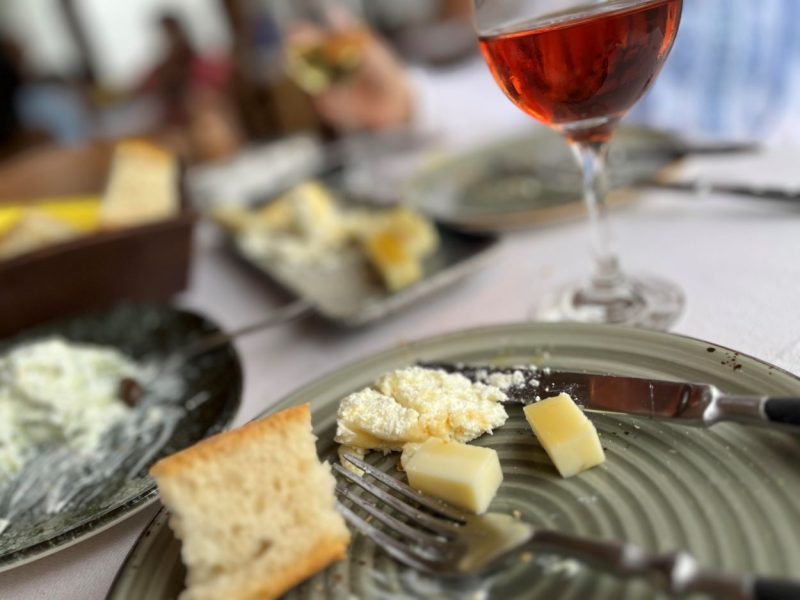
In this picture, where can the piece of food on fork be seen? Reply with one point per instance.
(428, 535)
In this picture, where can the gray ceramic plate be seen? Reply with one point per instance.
(349, 292)
(147, 332)
(532, 179)
(727, 494)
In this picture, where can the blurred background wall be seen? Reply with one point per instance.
(120, 35)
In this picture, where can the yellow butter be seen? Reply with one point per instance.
(79, 212)
(82, 213)
(566, 434)
(9, 216)
(462, 475)
(396, 265)
(396, 243)
(417, 234)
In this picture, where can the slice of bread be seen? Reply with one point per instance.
(254, 509)
(142, 186)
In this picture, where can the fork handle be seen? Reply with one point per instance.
(676, 573)
(755, 410)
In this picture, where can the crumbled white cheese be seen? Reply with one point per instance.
(286, 247)
(53, 390)
(315, 215)
(414, 404)
(369, 419)
(303, 227)
(506, 381)
(450, 405)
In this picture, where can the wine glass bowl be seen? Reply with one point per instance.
(578, 66)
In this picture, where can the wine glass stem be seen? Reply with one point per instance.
(607, 277)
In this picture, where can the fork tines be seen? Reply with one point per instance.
(422, 540)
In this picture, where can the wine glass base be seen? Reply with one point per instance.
(652, 302)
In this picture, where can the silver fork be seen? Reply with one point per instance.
(431, 536)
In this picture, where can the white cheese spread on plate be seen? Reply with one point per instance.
(53, 390)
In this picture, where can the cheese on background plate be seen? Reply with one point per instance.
(566, 434)
(462, 475)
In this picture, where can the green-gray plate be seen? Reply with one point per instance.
(531, 179)
(729, 494)
(210, 396)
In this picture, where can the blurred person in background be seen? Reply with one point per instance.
(734, 73)
(377, 95)
(191, 93)
(170, 78)
(37, 108)
(433, 32)
(10, 85)
(50, 95)
(381, 93)
(55, 108)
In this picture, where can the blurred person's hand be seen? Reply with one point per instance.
(212, 131)
(376, 95)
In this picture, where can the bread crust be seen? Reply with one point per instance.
(144, 149)
(328, 551)
(221, 443)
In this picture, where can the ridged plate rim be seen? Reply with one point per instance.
(737, 372)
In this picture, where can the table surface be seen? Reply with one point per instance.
(738, 261)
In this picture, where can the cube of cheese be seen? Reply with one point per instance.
(462, 475)
(566, 434)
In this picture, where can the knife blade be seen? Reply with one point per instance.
(686, 402)
(700, 187)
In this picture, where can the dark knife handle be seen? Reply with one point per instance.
(783, 413)
(783, 410)
(775, 589)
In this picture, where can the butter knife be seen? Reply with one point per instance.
(689, 403)
(703, 187)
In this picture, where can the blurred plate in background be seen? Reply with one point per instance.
(531, 180)
(347, 290)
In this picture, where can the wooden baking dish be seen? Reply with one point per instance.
(143, 263)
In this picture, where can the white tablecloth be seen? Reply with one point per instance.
(738, 260)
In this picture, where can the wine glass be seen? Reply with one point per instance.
(578, 66)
